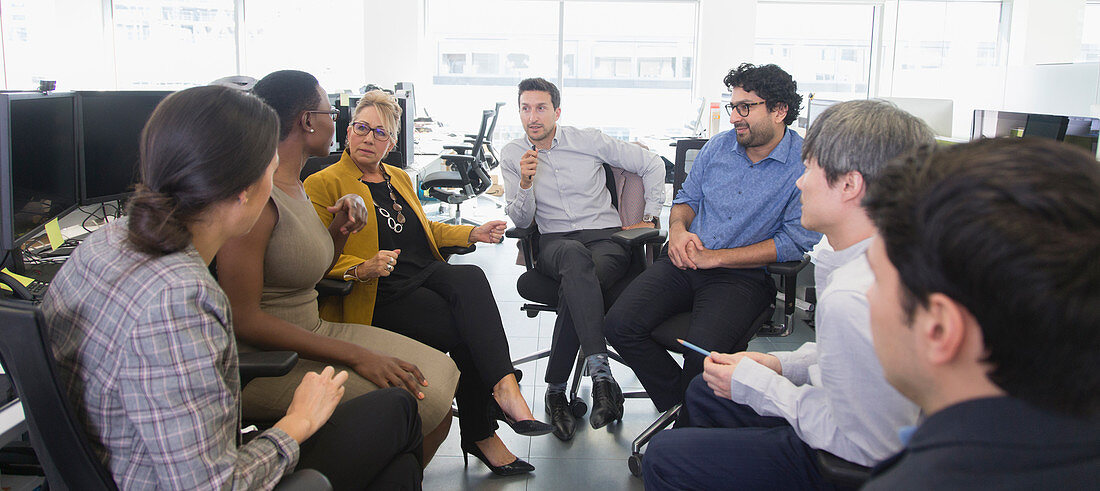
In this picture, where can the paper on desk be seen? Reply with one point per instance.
(345, 99)
(20, 278)
(53, 231)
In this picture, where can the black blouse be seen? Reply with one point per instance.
(416, 261)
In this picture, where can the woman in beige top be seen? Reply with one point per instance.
(269, 275)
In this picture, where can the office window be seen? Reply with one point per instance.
(825, 47)
(956, 41)
(170, 44)
(1090, 33)
(932, 35)
(485, 47)
(54, 40)
(309, 36)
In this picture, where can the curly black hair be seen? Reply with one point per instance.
(769, 82)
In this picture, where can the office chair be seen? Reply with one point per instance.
(492, 158)
(468, 178)
(57, 436)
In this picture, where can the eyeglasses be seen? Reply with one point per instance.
(333, 113)
(362, 129)
(743, 108)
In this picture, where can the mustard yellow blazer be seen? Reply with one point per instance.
(328, 185)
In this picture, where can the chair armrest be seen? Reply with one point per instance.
(520, 232)
(637, 236)
(460, 158)
(329, 287)
(304, 480)
(458, 148)
(788, 268)
(841, 472)
(265, 364)
(457, 250)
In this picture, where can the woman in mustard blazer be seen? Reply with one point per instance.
(404, 285)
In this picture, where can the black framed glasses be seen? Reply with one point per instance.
(363, 129)
(333, 113)
(743, 108)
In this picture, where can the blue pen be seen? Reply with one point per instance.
(693, 347)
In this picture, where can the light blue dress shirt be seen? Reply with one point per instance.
(738, 203)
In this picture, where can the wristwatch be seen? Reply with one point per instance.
(655, 220)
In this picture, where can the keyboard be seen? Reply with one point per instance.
(37, 288)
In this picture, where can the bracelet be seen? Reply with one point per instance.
(353, 274)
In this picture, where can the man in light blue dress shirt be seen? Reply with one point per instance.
(554, 178)
(737, 212)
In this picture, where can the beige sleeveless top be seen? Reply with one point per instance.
(298, 256)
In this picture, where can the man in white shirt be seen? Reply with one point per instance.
(554, 178)
(756, 419)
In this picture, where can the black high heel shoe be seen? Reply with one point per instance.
(527, 427)
(518, 466)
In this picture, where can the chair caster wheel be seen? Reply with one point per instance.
(635, 463)
(578, 407)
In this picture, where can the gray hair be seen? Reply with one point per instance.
(863, 136)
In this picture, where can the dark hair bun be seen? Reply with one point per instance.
(154, 227)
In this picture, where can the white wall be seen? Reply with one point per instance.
(727, 33)
(392, 41)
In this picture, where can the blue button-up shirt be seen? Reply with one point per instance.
(738, 203)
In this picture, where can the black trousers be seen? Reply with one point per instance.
(454, 312)
(585, 263)
(723, 303)
(719, 443)
(370, 442)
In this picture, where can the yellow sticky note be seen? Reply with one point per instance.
(53, 231)
(345, 99)
(22, 279)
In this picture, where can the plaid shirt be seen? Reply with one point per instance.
(146, 351)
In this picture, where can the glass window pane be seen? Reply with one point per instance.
(168, 44)
(482, 49)
(633, 62)
(1090, 33)
(276, 30)
(956, 41)
(39, 45)
(826, 48)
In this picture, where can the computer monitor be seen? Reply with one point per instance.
(38, 162)
(937, 113)
(1046, 126)
(814, 109)
(110, 135)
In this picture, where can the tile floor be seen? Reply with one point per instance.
(594, 459)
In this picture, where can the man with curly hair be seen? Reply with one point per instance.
(738, 211)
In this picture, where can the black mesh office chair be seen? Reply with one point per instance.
(57, 436)
(468, 177)
(492, 158)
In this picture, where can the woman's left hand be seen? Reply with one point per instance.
(492, 232)
(349, 214)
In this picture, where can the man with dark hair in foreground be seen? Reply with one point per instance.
(985, 311)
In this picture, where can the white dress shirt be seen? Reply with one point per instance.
(833, 392)
(569, 188)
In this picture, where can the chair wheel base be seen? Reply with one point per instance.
(578, 407)
(635, 464)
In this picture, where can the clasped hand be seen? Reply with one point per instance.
(349, 214)
(686, 250)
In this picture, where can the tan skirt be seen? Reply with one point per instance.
(266, 399)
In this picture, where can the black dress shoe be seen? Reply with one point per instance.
(527, 427)
(518, 466)
(561, 416)
(607, 403)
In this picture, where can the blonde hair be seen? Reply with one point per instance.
(387, 108)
